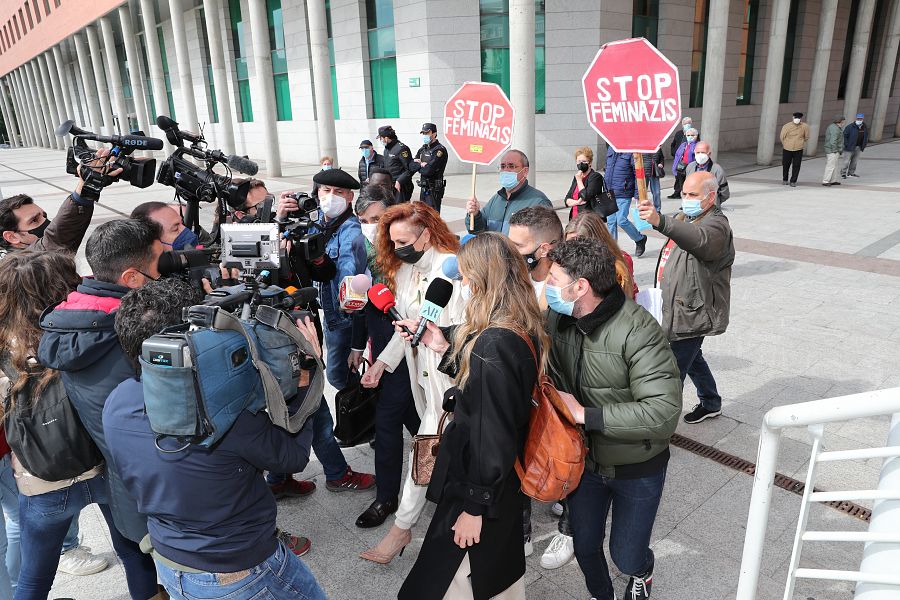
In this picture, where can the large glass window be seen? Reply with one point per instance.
(645, 20)
(698, 55)
(213, 107)
(848, 48)
(382, 59)
(879, 24)
(495, 48)
(788, 68)
(279, 61)
(748, 51)
(334, 88)
(239, 39)
(168, 80)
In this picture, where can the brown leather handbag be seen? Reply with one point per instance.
(425, 451)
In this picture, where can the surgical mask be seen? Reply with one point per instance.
(332, 206)
(366, 152)
(701, 157)
(686, 127)
(409, 254)
(796, 121)
(39, 230)
(368, 231)
(326, 167)
(185, 238)
(555, 301)
(584, 167)
(466, 293)
(858, 122)
(509, 179)
(691, 208)
(691, 138)
(426, 139)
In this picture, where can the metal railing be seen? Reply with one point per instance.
(878, 577)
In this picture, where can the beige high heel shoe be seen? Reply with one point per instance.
(384, 555)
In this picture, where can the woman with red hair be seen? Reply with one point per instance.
(412, 244)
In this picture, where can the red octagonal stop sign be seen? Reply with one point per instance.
(632, 95)
(478, 122)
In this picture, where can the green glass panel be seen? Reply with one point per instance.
(331, 51)
(385, 94)
(276, 24)
(379, 13)
(539, 21)
(283, 98)
(214, 116)
(788, 68)
(698, 56)
(279, 62)
(172, 107)
(237, 27)
(240, 66)
(540, 101)
(334, 95)
(848, 47)
(748, 52)
(246, 101)
(882, 8)
(495, 31)
(150, 101)
(495, 67)
(382, 43)
(328, 18)
(162, 50)
(494, 6)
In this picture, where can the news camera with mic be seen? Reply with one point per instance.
(79, 158)
(437, 296)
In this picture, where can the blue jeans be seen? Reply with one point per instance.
(45, 520)
(689, 356)
(654, 191)
(337, 344)
(324, 445)
(634, 504)
(620, 219)
(282, 575)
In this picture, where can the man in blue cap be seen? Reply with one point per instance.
(856, 136)
(369, 160)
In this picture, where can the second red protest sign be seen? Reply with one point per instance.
(632, 95)
(478, 122)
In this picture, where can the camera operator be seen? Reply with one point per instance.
(24, 224)
(211, 519)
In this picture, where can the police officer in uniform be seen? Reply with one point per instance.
(398, 160)
(430, 162)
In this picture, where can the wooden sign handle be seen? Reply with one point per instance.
(472, 217)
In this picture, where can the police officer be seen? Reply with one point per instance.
(430, 162)
(398, 160)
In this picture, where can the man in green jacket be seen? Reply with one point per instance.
(834, 147)
(694, 273)
(514, 195)
(614, 369)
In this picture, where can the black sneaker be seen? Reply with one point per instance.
(640, 246)
(674, 197)
(785, 182)
(852, 175)
(638, 588)
(700, 414)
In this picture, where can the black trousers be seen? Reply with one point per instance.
(679, 181)
(432, 198)
(790, 161)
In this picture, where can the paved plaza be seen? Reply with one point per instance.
(815, 313)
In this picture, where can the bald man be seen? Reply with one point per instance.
(695, 301)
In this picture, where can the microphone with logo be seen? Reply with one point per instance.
(352, 292)
(383, 299)
(436, 299)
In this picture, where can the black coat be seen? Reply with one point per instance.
(475, 473)
(593, 185)
(377, 161)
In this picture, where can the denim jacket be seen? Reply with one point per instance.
(349, 261)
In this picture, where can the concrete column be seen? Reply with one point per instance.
(819, 80)
(157, 75)
(52, 100)
(521, 78)
(42, 120)
(134, 69)
(20, 112)
(55, 84)
(27, 106)
(120, 109)
(102, 91)
(886, 75)
(858, 58)
(212, 11)
(768, 120)
(27, 127)
(9, 117)
(87, 82)
(263, 83)
(189, 119)
(62, 74)
(716, 41)
(321, 69)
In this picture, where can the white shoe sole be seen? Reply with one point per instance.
(85, 572)
(550, 567)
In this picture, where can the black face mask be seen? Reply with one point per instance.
(39, 230)
(584, 167)
(531, 261)
(409, 254)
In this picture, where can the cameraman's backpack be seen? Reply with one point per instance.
(555, 449)
(229, 366)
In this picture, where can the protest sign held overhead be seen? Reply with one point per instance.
(478, 122)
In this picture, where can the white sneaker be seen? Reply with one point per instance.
(560, 551)
(80, 561)
(529, 548)
(557, 509)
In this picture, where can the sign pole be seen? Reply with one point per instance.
(472, 217)
(641, 176)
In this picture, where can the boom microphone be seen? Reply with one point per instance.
(436, 299)
(137, 142)
(383, 299)
(241, 164)
(299, 297)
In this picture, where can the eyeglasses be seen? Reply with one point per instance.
(510, 167)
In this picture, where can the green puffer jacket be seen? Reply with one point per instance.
(617, 363)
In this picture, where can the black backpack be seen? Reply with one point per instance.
(46, 434)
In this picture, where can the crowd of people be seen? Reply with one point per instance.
(532, 295)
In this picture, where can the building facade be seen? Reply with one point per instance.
(291, 80)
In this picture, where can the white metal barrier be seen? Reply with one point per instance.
(878, 577)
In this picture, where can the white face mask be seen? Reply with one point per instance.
(368, 231)
(466, 292)
(858, 122)
(333, 206)
(701, 157)
(796, 121)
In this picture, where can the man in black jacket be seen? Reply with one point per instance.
(368, 161)
(397, 160)
(430, 162)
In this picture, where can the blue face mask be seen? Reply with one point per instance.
(686, 127)
(326, 167)
(366, 152)
(691, 208)
(555, 301)
(509, 179)
(426, 139)
(185, 238)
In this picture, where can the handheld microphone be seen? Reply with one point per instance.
(437, 296)
(450, 268)
(383, 299)
(299, 297)
(352, 292)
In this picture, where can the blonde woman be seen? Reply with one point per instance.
(473, 548)
(591, 226)
(411, 246)
(586, 184)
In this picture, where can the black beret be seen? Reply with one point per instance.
(799, 115)
(336, 178)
